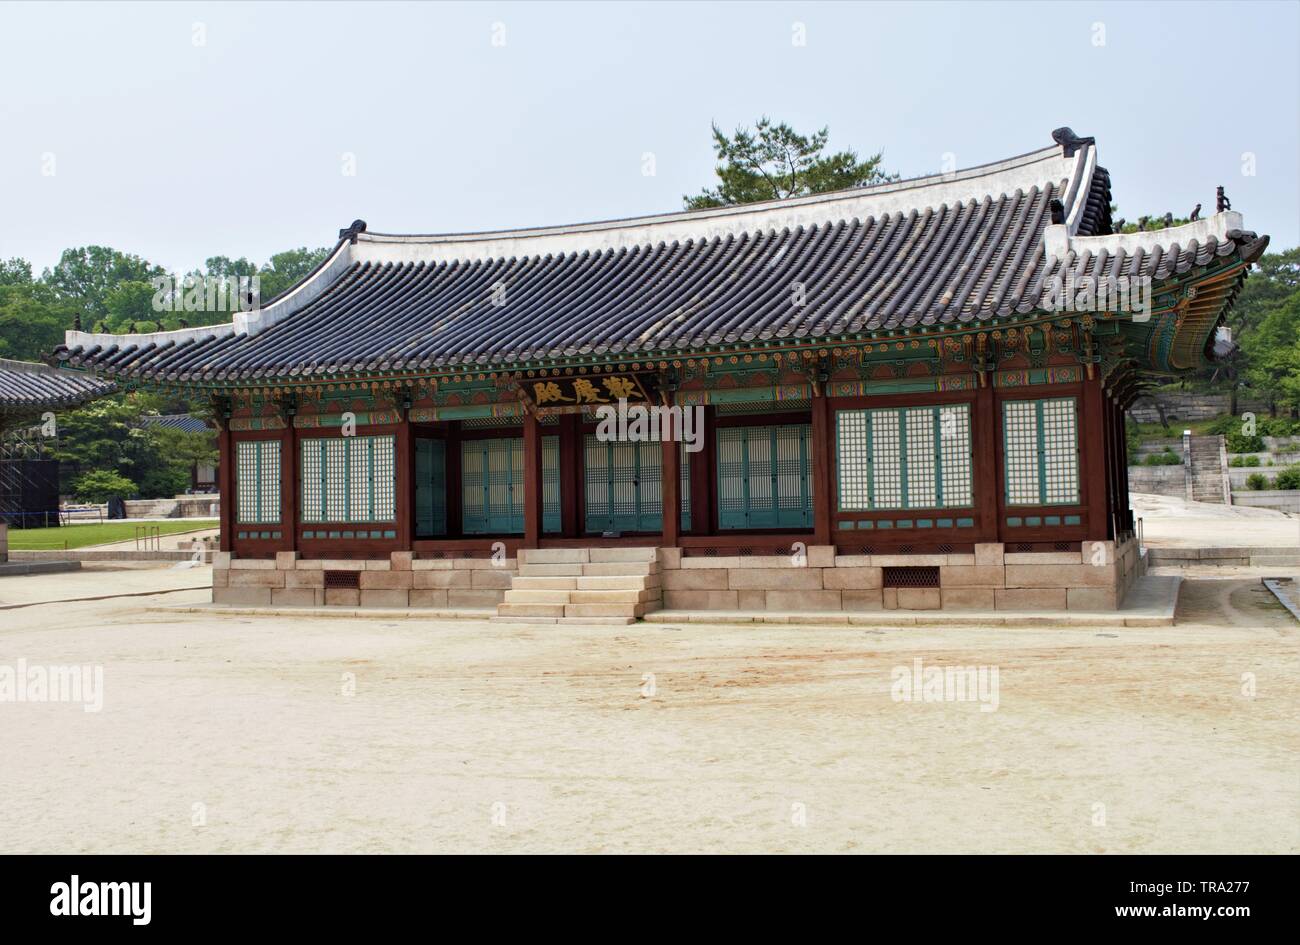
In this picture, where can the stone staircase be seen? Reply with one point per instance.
(583, 585)
(1207, 473)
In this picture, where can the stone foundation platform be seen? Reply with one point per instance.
(1095, 576)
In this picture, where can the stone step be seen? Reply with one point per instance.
(612, 597)
(607, 555)
(552, 621)
(523, 582)
(554, 555)
(615, 582)
(531, 610)
(551, 570)
(1271, 560)
(514, 596)
(603, 610)
(622, 568)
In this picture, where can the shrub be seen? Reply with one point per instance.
(1288, 478)
(100, 485)
(1257, 481)
(1167, 458)
(1240, 443)
(1240, 461)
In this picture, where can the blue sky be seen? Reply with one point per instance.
(236, 145)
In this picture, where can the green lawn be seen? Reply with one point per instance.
(79, 536)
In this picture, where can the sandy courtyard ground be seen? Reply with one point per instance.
(477, 736)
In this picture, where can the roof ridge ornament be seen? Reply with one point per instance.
(1069, 141)
(350, 233)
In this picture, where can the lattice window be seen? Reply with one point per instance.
(492, 485)
(1041, 451)
(624, 487)
(257, 469)
(764, 478)
(904, 458)
(349, 479)
(956, 477)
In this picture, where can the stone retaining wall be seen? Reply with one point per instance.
(1095, 577)
(401, 580)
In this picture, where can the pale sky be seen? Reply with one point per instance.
(179, 132)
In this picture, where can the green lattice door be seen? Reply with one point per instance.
(492, 485)
(764, 479)
(430, 487)
(623, 482)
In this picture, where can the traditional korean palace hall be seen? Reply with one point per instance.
(897, 407)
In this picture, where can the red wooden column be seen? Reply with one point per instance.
(986, 438)
(532, 480)
(1092, 462)
(289, 482)
(823, 443)
(670, 481)
(226, 481)
(404, 487)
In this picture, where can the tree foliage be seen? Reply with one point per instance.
(774, 161)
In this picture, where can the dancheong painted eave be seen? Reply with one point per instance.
(944, 253)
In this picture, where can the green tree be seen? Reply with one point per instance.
(86, 274)
(774, 161)
(287, 268)
(32, 320)
(15, 271)
(100, 485)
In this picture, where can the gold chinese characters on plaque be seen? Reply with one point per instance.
(580, 391)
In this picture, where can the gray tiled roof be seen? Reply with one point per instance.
(954, 249)
(26, 387)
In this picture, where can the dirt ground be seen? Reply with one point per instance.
(232, 734)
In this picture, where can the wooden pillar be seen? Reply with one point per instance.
(226, 481)
(532, 480)
(404, 494)
(670, 481)
(986, 438)
(289, 482)
(823, 447)
(1092, 464)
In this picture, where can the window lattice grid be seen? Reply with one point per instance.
(349, 479)
(886, 460)
(1060, 452)
(854, 471)
(920, 451)
(383, 479)
(904, 458)
(257, 489)
(957, 479)
(763, 476)
(1041, 448)
(311, 474)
